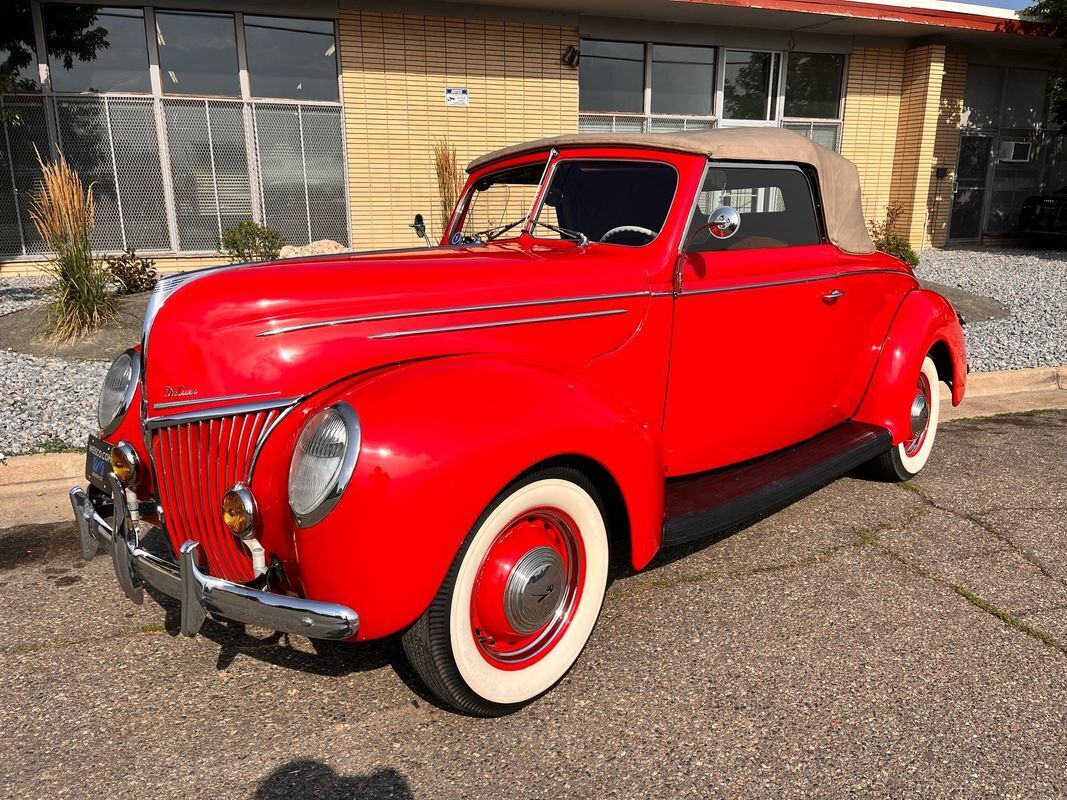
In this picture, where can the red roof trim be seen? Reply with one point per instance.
(922, 16)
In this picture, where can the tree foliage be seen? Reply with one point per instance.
(1054, 12)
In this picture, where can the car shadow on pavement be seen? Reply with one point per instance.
(305, 778)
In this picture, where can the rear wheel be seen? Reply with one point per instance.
(521, 598)
(906, 459)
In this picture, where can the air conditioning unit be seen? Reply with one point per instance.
(1015, 152)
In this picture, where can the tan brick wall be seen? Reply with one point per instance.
(920, 101)
(946, 145)
(164, 264)
(872, 110)
(395, 68)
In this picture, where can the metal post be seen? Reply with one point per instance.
(162, 140)
(45, 77)
(14, 184)
(214, 175)
(115, 172)
(304, 168)
(255, 183)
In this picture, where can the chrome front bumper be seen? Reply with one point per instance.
(197, 592)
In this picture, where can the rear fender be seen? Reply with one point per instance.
(440, 440)
(926, 323)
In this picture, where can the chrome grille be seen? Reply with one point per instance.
(196, 462)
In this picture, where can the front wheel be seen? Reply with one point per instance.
(906, 459)
(520, 599)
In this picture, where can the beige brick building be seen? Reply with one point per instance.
(318, 117)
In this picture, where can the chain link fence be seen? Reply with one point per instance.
(170, 175)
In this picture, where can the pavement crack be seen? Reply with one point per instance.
(1010, 619)
(976, 518)
(62, 644)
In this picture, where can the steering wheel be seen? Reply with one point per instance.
(629, 229)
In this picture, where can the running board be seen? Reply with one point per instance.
(710, 502)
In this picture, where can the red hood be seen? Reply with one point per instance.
(287, 328)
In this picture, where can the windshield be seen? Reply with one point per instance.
(615, 202)
(498, 200)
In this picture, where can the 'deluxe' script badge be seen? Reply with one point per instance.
(180, 391)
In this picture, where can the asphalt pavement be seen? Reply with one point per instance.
(873, 640)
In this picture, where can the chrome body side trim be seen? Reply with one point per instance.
(152, 423)
(222, 398)
(788, 281)
(441, 311)
(499, 323)
(200, 593)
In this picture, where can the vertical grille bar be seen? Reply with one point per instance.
(197, 463)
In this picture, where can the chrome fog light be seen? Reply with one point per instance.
(239, 511)
(124, 463)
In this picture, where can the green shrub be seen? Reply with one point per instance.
(888, 241)
(250, 241)
(131, 273)
(62, 210)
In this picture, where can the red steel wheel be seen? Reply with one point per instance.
(521, 598)
(907, 458)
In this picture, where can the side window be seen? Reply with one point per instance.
(775, 206)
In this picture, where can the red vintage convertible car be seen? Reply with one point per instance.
(624, 342)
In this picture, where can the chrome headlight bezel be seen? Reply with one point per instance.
(308, 514)
(109, 426)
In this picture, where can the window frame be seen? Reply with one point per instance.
(646, 119)
(156, 96)
(811, 180)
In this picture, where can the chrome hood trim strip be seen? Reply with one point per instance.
(220, 399)
(441, 311)
(152, 423)
(497, 324)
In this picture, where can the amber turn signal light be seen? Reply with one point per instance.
(124, 463)
(239, 511)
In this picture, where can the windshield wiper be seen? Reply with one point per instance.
(583, 240)
(492, 233)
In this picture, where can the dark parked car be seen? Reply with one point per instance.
(1043, 219)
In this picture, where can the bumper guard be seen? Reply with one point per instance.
(198, 593)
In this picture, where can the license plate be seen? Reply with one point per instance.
(98, 463)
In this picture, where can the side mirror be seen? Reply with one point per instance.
(724, 222)
(419, 226)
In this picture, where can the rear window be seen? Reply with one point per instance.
(775, 206)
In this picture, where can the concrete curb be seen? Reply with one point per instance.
(1010, 392)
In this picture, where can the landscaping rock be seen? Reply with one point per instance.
(320, 248)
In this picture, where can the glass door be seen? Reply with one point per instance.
(971, 187)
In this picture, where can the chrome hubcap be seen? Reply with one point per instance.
(920, 414)
(534, 589)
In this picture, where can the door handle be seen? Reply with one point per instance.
(833, 297)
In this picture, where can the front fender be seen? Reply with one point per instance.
(440, 440)
(925, 323)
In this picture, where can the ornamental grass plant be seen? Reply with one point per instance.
(449, 178)
(62, 211)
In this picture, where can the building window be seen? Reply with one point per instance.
(18, 52)
(683, 80)
(197, 53)
(112, 53)
(179, 154)
(293, 58)
(750, 85)
(612, 77)
(813, 85)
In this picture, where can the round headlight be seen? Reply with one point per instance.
(239, 511)
(117, 392)
(323, 461)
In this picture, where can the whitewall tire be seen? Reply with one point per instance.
(906, 459)
(520, 599)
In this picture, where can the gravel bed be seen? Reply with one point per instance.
(17, 293)
(1032, 283)
(46, 402)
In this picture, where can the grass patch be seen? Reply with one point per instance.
(60, 446)
(1009, 619)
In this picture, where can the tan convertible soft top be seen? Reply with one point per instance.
(838, 179)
